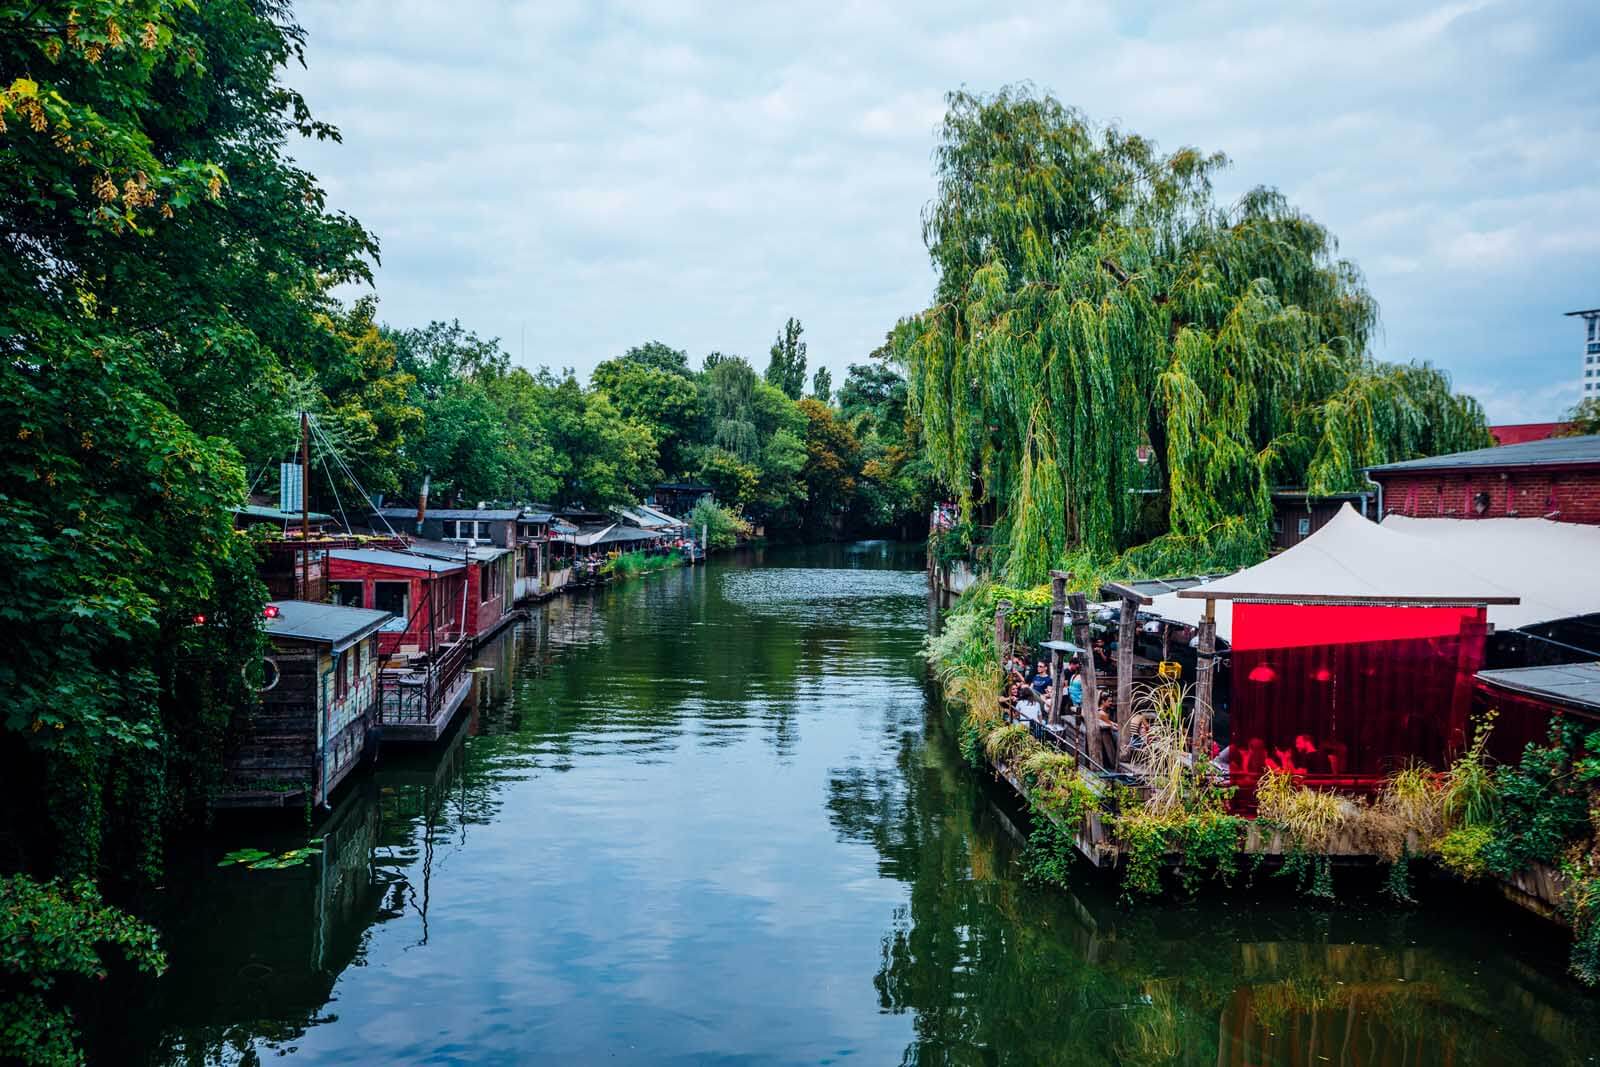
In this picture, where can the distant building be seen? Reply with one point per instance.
(1296, 514)
(1591, 351)
(1558, 478)
(1519, 433)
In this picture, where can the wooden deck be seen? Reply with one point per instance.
(416, 704)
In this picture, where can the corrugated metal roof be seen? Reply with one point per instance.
(404, 560)
(456, 550)
(536, 516)
(1551, 452)
(329, 624)
(1575, 684)
(487, 514)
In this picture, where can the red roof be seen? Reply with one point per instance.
(1519, 432)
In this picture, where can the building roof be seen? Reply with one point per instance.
(1551, 452)
(487, 514)
(266, 514)
(535, 516)
(683, 487)
(457, 550)
(1516, 433)
(626, 535)
(1585, 311)
(1574, 684)
(1533, 562)
(328, 624)
(402, 560)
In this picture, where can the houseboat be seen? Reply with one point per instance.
(425, 648)
(318, 703)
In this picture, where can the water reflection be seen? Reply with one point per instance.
(710, 816)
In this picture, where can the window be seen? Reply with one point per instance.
(1594, 346)
(341, 675)
(1305, 525)
(392, 596)
(1277, 526)
(466, 530)
(347, 594)
(484, 584)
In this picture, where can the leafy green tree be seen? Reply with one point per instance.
(874, 387)
(1093, 298)
(786, 369)
(734, 481)
(1583, 419)
(659, 356)
(729, 388)
(822, 385)
(831, 468)
(666, 401)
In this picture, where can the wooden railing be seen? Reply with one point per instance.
(417, 694)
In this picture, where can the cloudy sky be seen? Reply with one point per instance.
(579, 177)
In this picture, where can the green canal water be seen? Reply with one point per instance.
(714, 816)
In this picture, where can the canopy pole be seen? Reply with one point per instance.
(1127, 628)
(1205, 669)
(1091, 694)
(1058, 629)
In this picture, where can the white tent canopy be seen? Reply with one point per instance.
(1540, 562)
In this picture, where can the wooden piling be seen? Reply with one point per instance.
(1127, 630)
(1058, 629)
(1079, 605)
(1205, 670)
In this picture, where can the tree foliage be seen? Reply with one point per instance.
(786, 366)
(1093, 298)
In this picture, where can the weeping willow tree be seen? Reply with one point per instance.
(1094, 299)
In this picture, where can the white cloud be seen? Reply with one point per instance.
(596, 174)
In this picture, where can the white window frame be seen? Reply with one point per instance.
(480, 530)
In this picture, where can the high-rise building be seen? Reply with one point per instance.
(1591, 351)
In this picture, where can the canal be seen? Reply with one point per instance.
(714, 816)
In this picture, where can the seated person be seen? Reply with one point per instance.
(1253, 761)
(1308, 757)
(1041, 677)
(1008, 701)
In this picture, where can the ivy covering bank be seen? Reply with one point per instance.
(1094, 298)
(1474, 819)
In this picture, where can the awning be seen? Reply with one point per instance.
(1516, 570)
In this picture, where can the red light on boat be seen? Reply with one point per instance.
(199, 620)
(1322, 674)
(1263, 673)
(270, 611)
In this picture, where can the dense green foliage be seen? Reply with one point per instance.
(1093, 300)
(50, 932)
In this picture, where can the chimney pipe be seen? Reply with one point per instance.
(422, 502)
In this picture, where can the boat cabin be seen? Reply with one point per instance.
(318, 698)
(428, 597)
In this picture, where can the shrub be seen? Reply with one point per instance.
(47, 931)
(724, 527)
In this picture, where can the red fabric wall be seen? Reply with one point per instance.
(1373, 687)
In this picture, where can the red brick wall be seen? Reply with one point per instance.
(1573, 494)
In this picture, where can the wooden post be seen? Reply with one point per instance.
(1001, 610)
(1127, 630)
(1091, 694)
(1058, 630)
(1205, 669)
(305, 506)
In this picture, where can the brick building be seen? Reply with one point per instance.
(1557, 479)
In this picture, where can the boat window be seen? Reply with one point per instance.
(392, 596)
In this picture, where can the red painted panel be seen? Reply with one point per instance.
(1346, 695)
